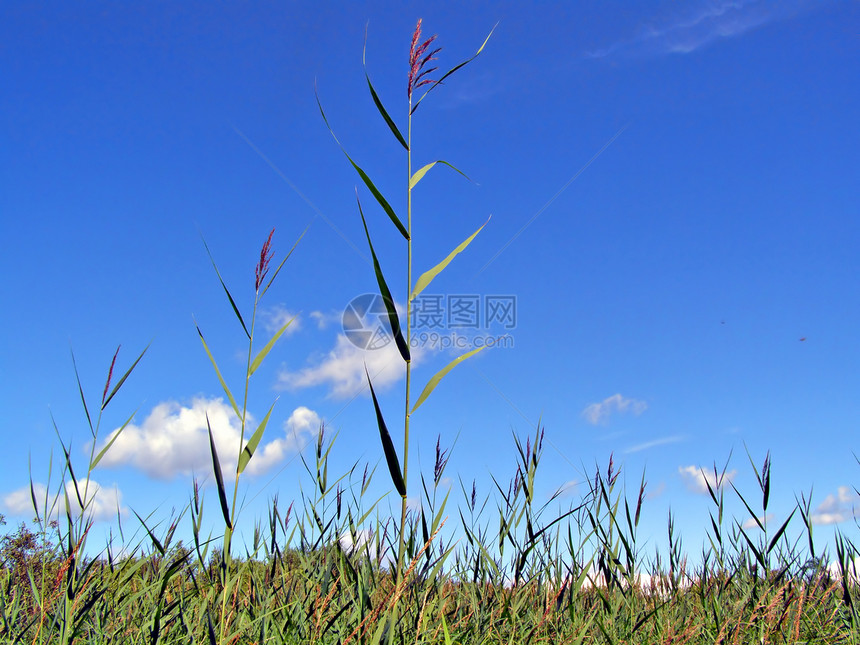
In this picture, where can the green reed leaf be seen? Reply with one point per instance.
(120, 382)
(454, 69)
(253, 442)
(433, 382)
(263, 352)
(226, 290)
(387, 444)
(423, 171)
(428, 276)
(367, 182)
(218, 372)
(219, 479)
(286, 257)
(116, 435)
(391, 125)
(393, 318)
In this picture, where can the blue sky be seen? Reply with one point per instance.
(673, 192)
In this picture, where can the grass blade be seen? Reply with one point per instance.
(433, 382)
(387, 444)
(124, 377)
(781, 530)
(226, 290)
(393, 318)
(218, 372)
(391, 125)
(428, 276)
(253, 442)
(263, 352)
(155, 541)
(423, 171)
(454, 69)
(367, 182)
(111, 442)
(219, 479)
(83, 400)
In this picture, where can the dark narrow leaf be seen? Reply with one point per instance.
(751, 512)
(387, 444)
(155, 541)
(83, 400)
(781, 530)
(765, 473)
(124, 377)
(210, 629)
(393, 318)
(391, 125)
(219, 479)
(382, 201)
(226, 290)
(453, 69)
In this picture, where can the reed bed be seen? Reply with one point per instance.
(465, 568)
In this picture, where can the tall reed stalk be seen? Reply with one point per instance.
(420, 56)
(229, 584)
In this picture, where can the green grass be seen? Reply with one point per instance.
(462, 568)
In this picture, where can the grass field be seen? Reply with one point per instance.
(332, 567)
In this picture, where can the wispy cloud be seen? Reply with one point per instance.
(276, 317)
(323, 320)
(696, 25)
(567, 489)
(174, 439)
(837, 507)
(599, 412)
(653, 444)
(697, 479)
(101, 503)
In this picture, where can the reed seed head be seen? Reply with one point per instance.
(263, 264)
(418, 59)
(110, 374)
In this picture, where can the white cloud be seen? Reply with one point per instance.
(100, 503)
(752, 524)
(342, 369)
(695, 478)
(323, 320)
(701, 24)
(362, 542)
(852, 568)
(838, 507)
(276, 317)
(653, 444)
(174, 439)
(599, 412)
